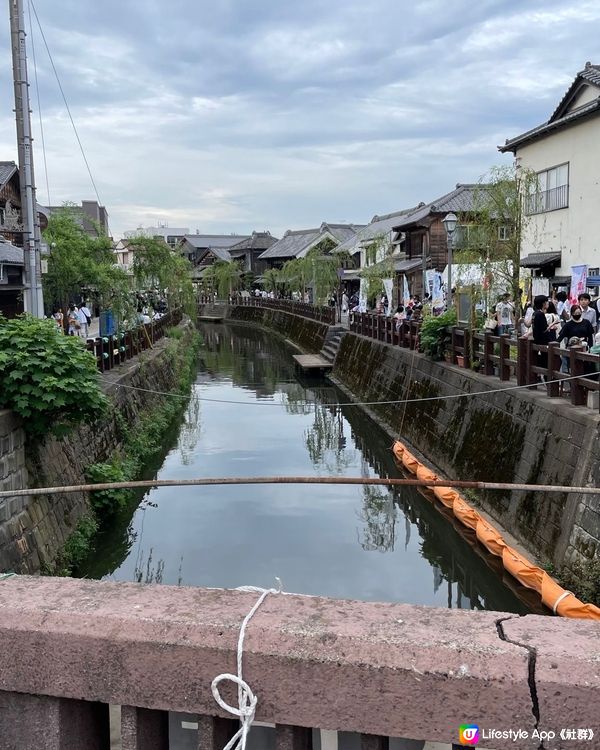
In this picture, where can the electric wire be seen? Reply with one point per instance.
(66, 103)
(39, 103)
(342, 403)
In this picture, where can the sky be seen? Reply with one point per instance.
(233, 115)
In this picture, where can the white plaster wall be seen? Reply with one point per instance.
(575, 230)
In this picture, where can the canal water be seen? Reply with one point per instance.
(250, 415)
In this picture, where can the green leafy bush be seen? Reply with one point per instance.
(49, 379)
(107, 502)
(434, 334)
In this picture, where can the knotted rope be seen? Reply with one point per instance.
(247, 700)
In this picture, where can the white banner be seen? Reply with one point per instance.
(362, 296)
(437, 295)
(578, 282)
(388, 286)
(405, 291)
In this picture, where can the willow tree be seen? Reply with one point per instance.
(494, 232)
(81, 265)
(271, 279)
(317, 270)
(225, 276)
(157, 266)
(379, 267)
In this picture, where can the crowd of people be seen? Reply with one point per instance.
(78, 319)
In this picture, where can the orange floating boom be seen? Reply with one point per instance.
(560, 601)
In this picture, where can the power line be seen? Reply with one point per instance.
(66, 103)
(37, 92)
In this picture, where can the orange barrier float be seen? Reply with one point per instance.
(560, 601)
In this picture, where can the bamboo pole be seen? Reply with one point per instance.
(385, 481)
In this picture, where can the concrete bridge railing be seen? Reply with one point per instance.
(74, 647)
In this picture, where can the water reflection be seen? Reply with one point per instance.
(344, 541)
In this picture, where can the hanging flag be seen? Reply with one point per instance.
(437, 294)
(578, 282)
(405, 291)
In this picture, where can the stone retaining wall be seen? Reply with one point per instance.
(33, 530)
(515, 436)
(306, 333)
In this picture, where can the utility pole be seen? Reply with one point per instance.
(34, 302)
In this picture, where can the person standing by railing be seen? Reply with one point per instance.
(587, 312)
(542, 334)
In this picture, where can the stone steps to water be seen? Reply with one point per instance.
(332, 343)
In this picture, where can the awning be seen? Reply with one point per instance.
(538, 260)
(406, 266)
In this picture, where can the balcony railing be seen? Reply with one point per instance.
(548, 200)
(339, 674)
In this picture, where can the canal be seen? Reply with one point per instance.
(249, 414)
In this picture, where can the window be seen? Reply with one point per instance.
(504, 233)
(551, 191)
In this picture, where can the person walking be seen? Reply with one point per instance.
(505, 314)
(85, 318)
(588, 312)
(73, 321)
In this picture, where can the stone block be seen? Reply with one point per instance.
(590, 523)
(4, 510)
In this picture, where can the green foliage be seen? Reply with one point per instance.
(107, 502)
(376, 271)
(498, 202)
(317, 270)
(583, 579)
(78, 262)
(434, 334)
(175, 332)
(157, 266)
(271, 279)
(78, 545)
(224, 277)
(49, 379)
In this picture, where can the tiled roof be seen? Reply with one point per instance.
(7, 169)
(560, 117)
(462, 199)
(293, 244)
(257, 241)
(201, 241)
(537, 260)
(10, 254)
(379, 225)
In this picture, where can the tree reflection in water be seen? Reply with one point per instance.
(189, 432)
(326, 442)
(379, 515)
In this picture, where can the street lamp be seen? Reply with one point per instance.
(449, 222)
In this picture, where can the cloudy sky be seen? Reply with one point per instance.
(233, 115)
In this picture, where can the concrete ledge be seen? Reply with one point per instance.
(382, 669)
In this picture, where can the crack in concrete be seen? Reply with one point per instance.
(531, 662)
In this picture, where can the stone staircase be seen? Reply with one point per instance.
(332, 342)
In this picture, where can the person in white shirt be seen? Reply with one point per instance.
(85, 317)
(505, 314)
(588, 313)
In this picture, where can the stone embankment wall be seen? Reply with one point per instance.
(34, 529)
(513, 436)
(305, 333)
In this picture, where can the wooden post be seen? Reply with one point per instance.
(504, 368)
(553, 359)
(488, 349)
(578, 391)
(521, 361)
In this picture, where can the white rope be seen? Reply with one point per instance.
(247, 700)
(261, 402)
(559, 600)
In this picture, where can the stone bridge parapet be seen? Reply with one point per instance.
(72, 647)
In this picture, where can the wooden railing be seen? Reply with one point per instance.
(306, 310)
(383, 328)
(111, 351)
(505, 357)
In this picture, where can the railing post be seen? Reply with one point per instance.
(453, 345)
(488, 350)
(522, 360)
(553, 357)
(504, 368)
(577, 367)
